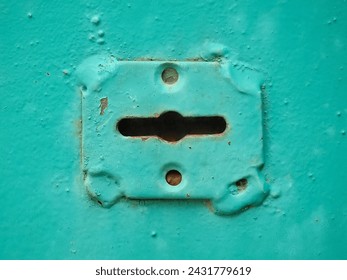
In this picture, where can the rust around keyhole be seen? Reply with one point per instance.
(171, 126)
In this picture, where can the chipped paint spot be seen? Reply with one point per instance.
(103, 105)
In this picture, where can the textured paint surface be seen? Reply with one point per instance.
(46, 212)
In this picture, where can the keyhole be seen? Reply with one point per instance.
(171, 126)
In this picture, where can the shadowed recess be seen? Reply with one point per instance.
(171, 126)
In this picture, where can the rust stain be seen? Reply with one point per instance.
(78, 125)
(241, 184)
(145, 59)
(103, 105)
(195, 59)
(209, 206)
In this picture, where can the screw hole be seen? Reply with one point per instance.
(173, 177)
(169, 75)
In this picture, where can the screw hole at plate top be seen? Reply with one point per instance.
(173, 177)
(169, 75)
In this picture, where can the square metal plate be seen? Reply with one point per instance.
(223, 168)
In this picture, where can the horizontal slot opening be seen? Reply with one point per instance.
(171, 126)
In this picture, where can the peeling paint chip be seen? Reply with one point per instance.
(103, 105)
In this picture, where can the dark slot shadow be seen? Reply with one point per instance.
(171, 126)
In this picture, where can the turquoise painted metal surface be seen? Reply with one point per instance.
(46, 211)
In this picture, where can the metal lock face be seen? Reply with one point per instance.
(172, 130)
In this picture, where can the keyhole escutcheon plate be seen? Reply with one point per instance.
(172, 130)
